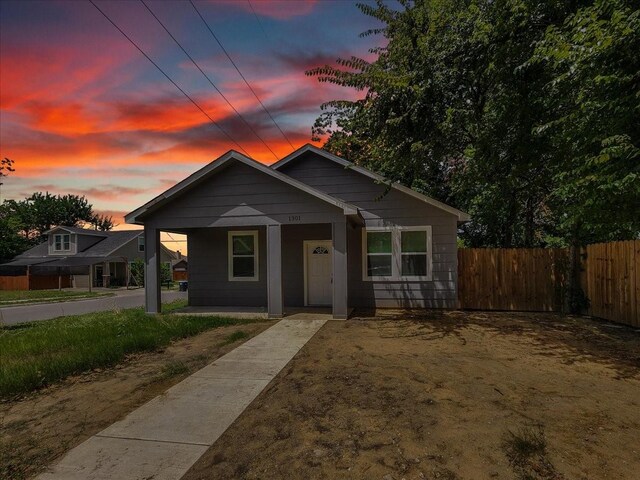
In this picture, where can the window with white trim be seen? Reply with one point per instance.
(243, 255)
(414, 261)
(141, 243)
(396, 253)
(62, 242)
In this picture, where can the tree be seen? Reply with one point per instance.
(102, 222)
(449, 110)
(42, 211)
(23, 222)
(523, 113)
(594, 106)
(12, 243)
(6, 167)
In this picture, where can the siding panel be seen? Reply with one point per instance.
(394, 208)
(208, 271)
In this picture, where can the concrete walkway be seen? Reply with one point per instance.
(162, 439)
(47, 311)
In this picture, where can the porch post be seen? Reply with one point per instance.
(153, 303)
(340, 295)
(274, 271)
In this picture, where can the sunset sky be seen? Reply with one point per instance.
(83, 112)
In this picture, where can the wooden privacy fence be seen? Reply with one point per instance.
(611, 280)
(34, 282)
(526, 279)
(534, 279)
(14, 283)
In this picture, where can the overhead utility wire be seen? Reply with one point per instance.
(258, 19)
(240, 73)
(209, 79)
(169, 78)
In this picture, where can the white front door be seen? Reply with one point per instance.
(317, 255)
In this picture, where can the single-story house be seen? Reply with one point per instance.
(310, 230)
(79, 257)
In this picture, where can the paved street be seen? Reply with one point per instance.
(46, 311)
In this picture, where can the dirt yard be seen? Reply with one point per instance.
(445, 396)
(40, 427)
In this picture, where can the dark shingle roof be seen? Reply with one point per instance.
(113, 241)
(38, 251)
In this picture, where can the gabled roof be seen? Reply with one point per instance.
(82, 231)
(210, 169)
(113, 240)
(462, 216)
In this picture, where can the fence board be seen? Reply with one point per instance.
(511, 279)
(14, 283)
(613, 278)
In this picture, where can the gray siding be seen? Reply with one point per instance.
(130, 251)
(242, 196)
(293, 237)
(394, 208)
(209, 275)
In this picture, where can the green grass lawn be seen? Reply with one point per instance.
(23, 297)
(37, 354)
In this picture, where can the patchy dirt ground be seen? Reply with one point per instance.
(450, 395)
(40, 427)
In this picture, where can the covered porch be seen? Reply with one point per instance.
(274, 270)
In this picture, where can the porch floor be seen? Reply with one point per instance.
(293, 313)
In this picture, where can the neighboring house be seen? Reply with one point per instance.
(311, 230)
(78, 257)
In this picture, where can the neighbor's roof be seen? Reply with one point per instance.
(83, 231)
(462, 216)
(39, 251)
(115, 240)
(210, 169)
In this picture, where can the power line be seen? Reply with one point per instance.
(258, 19)
(209, 79)
(240, 73)
(169, 78)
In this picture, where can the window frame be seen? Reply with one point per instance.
(396, 254)
(62, 242)
(231, 256)
(424, 278)
(365, 255)
(141, 243)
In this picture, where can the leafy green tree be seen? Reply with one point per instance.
(42, 211)
(23, 222)
(520, 112)
(137, 272)
(593, 106)
(449, 110)
(11, 242)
